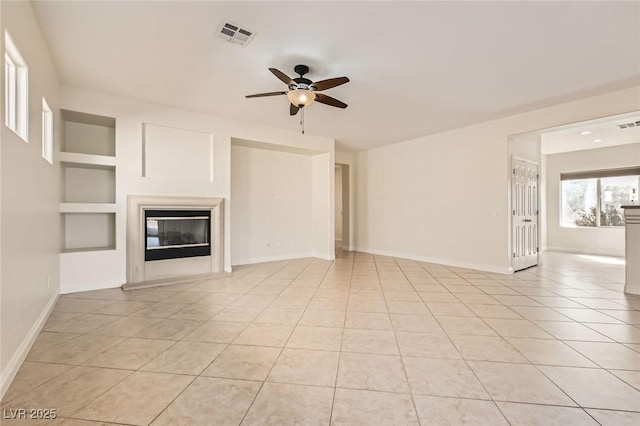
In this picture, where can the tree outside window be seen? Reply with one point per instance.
(596, 202)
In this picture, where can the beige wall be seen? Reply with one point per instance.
(603, 241)
(29, 214)
(271, 205)
(444, 197)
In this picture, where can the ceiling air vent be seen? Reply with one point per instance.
(233, 33)
(629, 125)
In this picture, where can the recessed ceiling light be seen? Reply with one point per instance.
(598, 140)
(586, 132)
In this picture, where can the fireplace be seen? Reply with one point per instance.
(174, 234)
(173, 238)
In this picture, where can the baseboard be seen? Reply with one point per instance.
(324, 256)
(447, 262)
(19, 356)
(274, 258)
(173, 280)
(98, 286)
(577, 251)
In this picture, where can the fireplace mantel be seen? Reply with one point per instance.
(139, 271)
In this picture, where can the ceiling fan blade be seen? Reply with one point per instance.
(330, 83)
(293, 110)
(328, 100)
(260, 95)
(282, 76)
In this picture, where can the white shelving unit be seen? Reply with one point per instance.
(88, 167)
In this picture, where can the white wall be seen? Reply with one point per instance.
(544, 223)
(338, 202)
(348, 159)
(323, 208)
(91, 270)
(345, 204)
(444, 197)
(29, 213)
(602, 241)
(271, 205)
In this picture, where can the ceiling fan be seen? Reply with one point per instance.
(302, 91)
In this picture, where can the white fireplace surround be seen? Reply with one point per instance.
(138, 271)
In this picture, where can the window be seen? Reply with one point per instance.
(591, 199)
(16, 83)
(47, 132)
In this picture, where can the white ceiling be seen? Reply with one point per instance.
(416, 68)
(604, 132)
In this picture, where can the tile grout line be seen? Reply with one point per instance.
(344, 324)
(395, 338)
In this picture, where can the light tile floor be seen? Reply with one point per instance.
(362, 340)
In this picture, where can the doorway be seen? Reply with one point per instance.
(341, 207)
(524, 213)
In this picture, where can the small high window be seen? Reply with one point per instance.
(47, 132)
(16, 84)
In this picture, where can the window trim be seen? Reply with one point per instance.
(16, 90)
(597, 175)
(47, 132)
(9, 92)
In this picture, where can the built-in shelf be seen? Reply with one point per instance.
(86, 250)
(87, 207)
(88, 183)
(89, 134)
(88, 167)
(88, 231)
(87, 159)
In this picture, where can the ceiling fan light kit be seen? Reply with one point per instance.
(301, 97)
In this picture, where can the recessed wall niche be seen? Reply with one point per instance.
(88, 232)
(173, 153)
(88, 183)
(89, 133)
(88, 193)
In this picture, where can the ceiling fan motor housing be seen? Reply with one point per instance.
(301, 82)
(301, 69)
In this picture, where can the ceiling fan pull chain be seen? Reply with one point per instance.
(302, 120)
